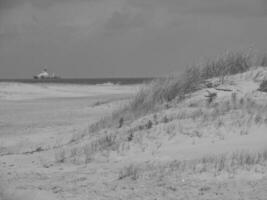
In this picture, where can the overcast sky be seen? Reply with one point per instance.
(123, 38)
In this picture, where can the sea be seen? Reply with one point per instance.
(83, 81)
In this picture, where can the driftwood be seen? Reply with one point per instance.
(38, 149)
(222, 89)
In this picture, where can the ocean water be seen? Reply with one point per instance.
(89, 81)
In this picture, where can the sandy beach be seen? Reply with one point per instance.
(32, 113)
(188, 150)
(48, 115)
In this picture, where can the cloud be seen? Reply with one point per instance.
(73, 19)
(9, 4)
(233, 8)
(125, 20)
(7, 36)
(145, 14)
(82, 18)
(126, 36)
(41, 4)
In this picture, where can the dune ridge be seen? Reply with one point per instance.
(198, 136)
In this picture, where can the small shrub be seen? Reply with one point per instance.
(87, 150)
(60, 156)
(210, 97)
(263, 86)
(234, 99)
(258, 118)
(121, 122)
(130, 137)
(100, 144)
(243, 132)
(106, 142)
(220, 163)
(220, 123)
(149, 124)
(74, 152)
(129, 171)
(241, 102)
(101, 124)
(165, 119)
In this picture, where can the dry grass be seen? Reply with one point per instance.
(227, 64)
(215, 164)
(131, 171)
(263, 86)
(160, 91)
(85, 153)
(60, 156)
(245, 112)
(262, 60)
(103, 143)
(153, 96)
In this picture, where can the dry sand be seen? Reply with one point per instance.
(47, 116)
(39, 159)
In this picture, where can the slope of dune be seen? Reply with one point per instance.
(192, 149)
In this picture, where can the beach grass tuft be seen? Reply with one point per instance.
(229, 163)
(263, 86)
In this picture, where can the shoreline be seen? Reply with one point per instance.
(27, 91)
(83, 81)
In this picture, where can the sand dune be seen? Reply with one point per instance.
(190, 150)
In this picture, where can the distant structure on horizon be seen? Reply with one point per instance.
(45, 75)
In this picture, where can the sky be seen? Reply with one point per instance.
(123, 38)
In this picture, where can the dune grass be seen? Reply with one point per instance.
(263, 60)
(227, 64)
(244, 112)
(152, 96)
(214, 164)
(263, 86)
